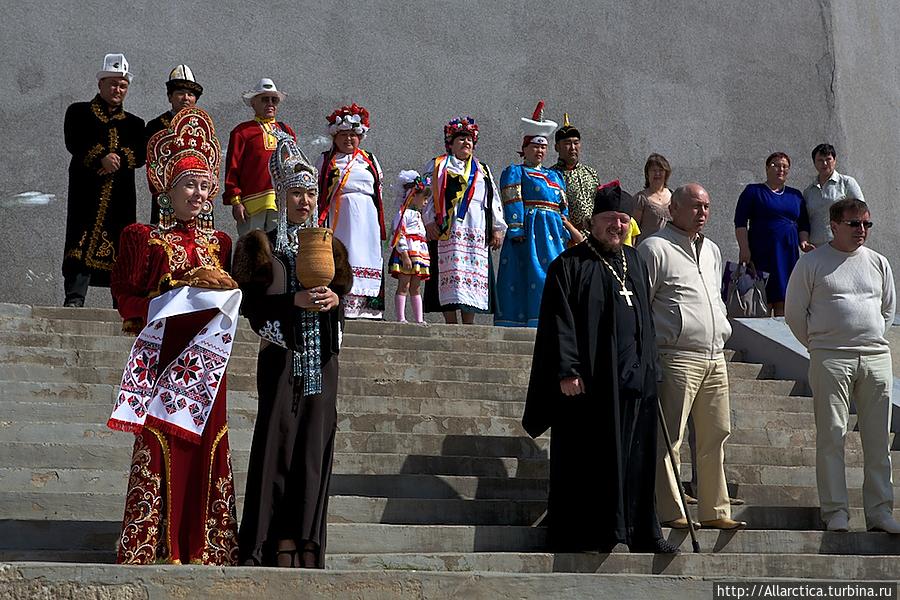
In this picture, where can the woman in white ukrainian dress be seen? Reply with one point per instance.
(350, 182)
(465, 217)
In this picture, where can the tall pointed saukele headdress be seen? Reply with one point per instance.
(187, 147)
(537, 130)
(289, 168)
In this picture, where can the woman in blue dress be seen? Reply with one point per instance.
(765, 223)
(534, 205)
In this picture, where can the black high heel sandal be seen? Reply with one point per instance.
(295, 558)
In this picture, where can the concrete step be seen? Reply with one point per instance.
(22, 442)
(479, 332)
(400, 485)
(24, 364)
(48, 580)
(729, 566)
(357, 379)
(98, 506)
(440, 337)
(78, 541)
(71, 411)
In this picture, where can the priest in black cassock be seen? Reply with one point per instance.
(593, 381)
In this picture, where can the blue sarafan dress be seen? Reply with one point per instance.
(533, 202)
(771, 221)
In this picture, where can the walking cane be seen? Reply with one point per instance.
(676, 469)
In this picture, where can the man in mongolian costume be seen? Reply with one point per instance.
(107, 145)
(182, 91)
(593, 380)
(581, 180)
(171, 285)
(286, 502)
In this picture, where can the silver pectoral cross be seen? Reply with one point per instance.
(627, 294)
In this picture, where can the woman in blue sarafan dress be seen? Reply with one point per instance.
(534, 205)
(765, 222)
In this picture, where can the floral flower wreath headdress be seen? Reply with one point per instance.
(349, 118)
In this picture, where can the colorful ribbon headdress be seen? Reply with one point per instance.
(460, 126)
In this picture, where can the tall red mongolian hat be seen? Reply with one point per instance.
(349, 118)
(188, 147)
(460, 126)
(537, 130)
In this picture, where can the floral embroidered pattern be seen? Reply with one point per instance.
(221, 524)
(143, 526)
(271, 332)
(366, 273)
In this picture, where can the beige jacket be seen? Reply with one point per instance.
(685, 299)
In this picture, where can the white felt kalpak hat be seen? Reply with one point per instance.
(536, 130)
(114, 65)
(265, 86)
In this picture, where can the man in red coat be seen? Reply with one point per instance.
(248, 186)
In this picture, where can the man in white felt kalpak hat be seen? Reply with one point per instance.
(107, 144)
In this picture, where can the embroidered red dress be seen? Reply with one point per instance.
(180, 502)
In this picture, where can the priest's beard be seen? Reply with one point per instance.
(609, 247)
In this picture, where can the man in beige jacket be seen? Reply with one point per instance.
(685, 270)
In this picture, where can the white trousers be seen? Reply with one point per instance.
(837, 377)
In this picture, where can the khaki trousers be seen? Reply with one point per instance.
(693, 385)
(837, 377)
(266, 220)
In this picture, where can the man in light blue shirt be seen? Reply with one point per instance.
(829, 187)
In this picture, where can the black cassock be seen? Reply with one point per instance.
(603, 442)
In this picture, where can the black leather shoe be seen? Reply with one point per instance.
(657, 546)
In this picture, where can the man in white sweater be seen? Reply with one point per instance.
(685, 272)
(840, 303)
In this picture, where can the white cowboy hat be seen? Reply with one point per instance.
(114, 65)
(265, 86)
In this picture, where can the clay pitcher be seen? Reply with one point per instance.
(315, 258)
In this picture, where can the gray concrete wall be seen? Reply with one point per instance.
(714, 86)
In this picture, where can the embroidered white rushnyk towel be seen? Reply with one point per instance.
(177, 397)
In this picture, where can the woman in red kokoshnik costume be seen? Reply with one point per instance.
(172, 287)
(350, 204)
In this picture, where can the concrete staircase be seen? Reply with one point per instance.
(436, 488)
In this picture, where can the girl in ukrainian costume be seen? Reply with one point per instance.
(171, 285)
(534, 202)
(466, 218)
(350, 204)
(286, 501)
(409, 261)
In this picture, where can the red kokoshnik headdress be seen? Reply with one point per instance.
(188, 147)
(349, 118)
(460, 126)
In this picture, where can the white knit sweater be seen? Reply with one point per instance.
(841, 300)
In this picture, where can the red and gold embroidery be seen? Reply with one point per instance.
(221, 516)
(143, 525)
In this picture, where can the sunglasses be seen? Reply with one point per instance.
(857, 223)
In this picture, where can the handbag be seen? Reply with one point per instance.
(745, 291)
